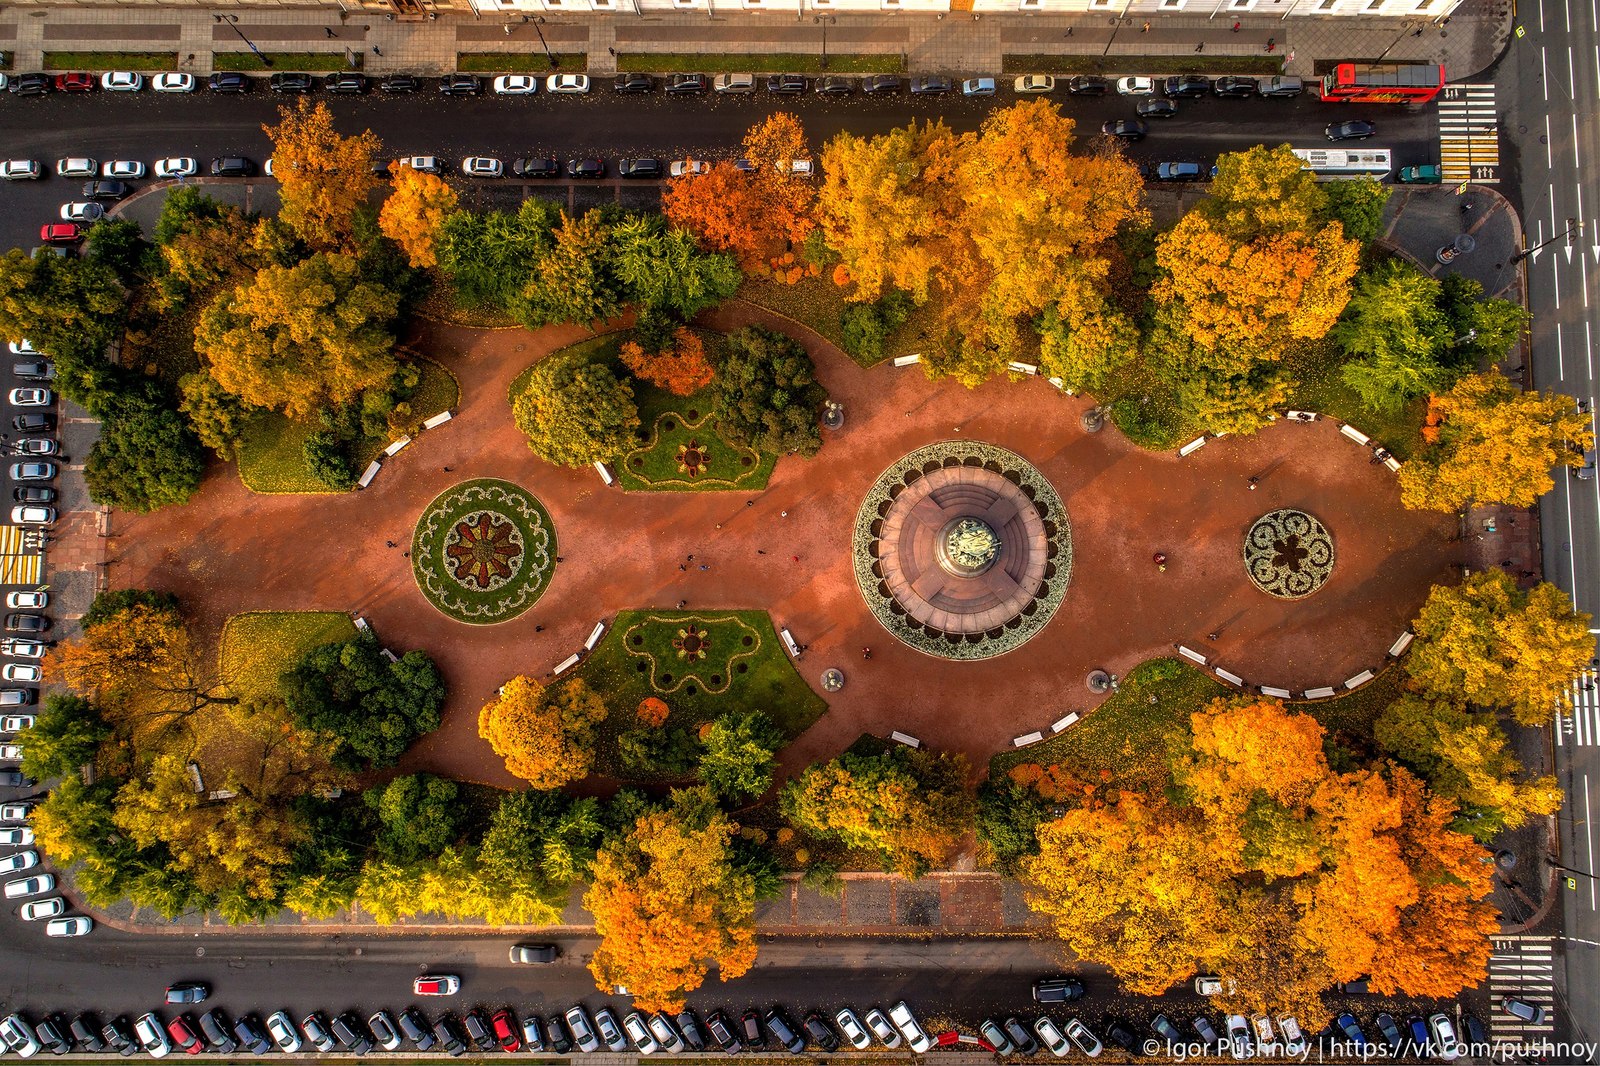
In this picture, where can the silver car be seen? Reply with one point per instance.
(582, 1029)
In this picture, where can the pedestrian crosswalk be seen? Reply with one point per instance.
(1469, 134)
(1581, 727)
(1521, 968)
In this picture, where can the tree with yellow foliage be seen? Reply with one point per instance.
(1496, 444)
(545, 735)
(1489, 642)
(324, 178)
(414, 213)
(669, 903)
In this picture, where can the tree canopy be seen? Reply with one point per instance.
(740, 755)
(751, 213)
(370, 708)
(765, 395)
(65, 735)
(414, 213)
(324, 178)
(546, 735)
(575, 411)
(145, 457)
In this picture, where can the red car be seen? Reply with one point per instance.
(182, 1032)
(505, 1030)
(60, 233)
(76, 82)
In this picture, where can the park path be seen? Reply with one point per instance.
(231, 550)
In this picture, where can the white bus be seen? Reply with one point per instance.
(1330, 164)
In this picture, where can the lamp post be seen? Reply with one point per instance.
(825, 21)
(233, 21)
(1574, 229)
(538, 21)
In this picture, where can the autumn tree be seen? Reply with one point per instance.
(1494, 644)
(1463, 755)
(669, 904)
(302, 337)
(415, 211)
(324, 178)
(740, 755)
(573, 281)
(765, 395)
(545, 735)
(751, 213)
(1496, 444)
(911, 807)
(215, 415)
(575, 411)
(682, 369)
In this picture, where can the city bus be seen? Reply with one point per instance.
(1382, 83)
(1332, 164)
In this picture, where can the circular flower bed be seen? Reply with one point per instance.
(1288, 554)
(483, 551)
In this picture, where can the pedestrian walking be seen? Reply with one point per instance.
(683, 567)
(538, 629)
(866, 653)
(761, 551)
(705, 566)
(682, 604)
(1201, 47)
(407, 554)
(796, 558)
(1213, 636)
(689, 558)
(1254, 480)
(559, 559)
(1272, 44)
(1146, 27)
(447, 470)
(749, 503)
(1416, 33)
(1160, 560)
(1237, 26)
(391, 544)
(1069, 32)
(329, 31)
(783, 514)
(508, 29)
(613, 52)
(376, 50)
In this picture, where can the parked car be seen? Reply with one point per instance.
(835, 85)
(556, 1034)
(1238, 1030)
(51, 1032)
(33, 471)
(852, 1028)
(649, 169)
(414, 1027)
(127, 169)
(820, 1033)
(482, 166)
(1426, 174)
(283, 1033)
(82, 211)
(37, 885)
(14, 812)
(537, 168)
(31, 515)
(754, 1034)
(634, 83)
(37, 370)
(910, 1028)
(401, 83)
(978, 87)
(77, 166)
(232, 166)
(610, 1029)
(249, 1036)
(16, 838)
(352, 1032)
(18, 1035)
(931, 85)
(786, 84)
(118, 1034)
(1280, 85)
(722, 1030)
(690, 1029)
(424, 164)
(1235, 86)
(318, 1034)
(783, 1030)
(152, 1036)
(882, 84)
(735, 84)
(16, 723)
(85, 1031)
(1083, 1039)
(1347, 1024)
(32, 84)
(1166, 1031)
(516, 85)
(1354, 130)
(218, 1031)
(178, 166)
(586, 168)
(639, 1034)
(533, 1033)
(503, 1025)
(18, 861)
(583, 1034)
(442, 984)
(1446, 1045)
(1089, 85)
(1187, 85)
(42, 909)
(16, 697)
(1052, 1037)
(291, 82)
(1135, 86)
(1180, 172)
(448, 1037)
(1021, 1038)
(688, 168)
(1294, 1038)
(77, 81)
(60, 233)
(462, 85)
(533, 954)
(21, 170)
(78, 925)
(476, 1023)
(665, 1033)
(1034, 83)
(228, 81)
(680, 84)
(346, 83)
(173, 83)
(1390, 1031)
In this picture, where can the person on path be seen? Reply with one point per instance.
(1146, 27)
(1254, 480)
(1160, 560)
(327, 30)
(1237, 26)
(376, 51)
(866, 652)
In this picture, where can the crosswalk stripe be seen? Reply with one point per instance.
(1469, 134)
(1521, 969)
(1580, 726)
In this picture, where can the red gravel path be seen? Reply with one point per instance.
(230, 550)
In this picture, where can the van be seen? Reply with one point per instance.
(1281, 85)
(734, 83)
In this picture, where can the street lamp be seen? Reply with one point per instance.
(1574, 229)
(825, 21)
(233, 21)
(538, 20)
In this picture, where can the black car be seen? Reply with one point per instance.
(478, 1027)
(461, 85)
(347, 82)
(448, 1036)
(232, 166)
(820, 1033)
(1155, 107)
(835, 86)
(33, 423)
(634, 83)
(1123, 1037)
(586, 168)
(931, 85)
(640, 168)
(1355, 130)
(1190, 85)
(1088, 85)
(1180, 172)
(33, 494)
(414, 1027)
(721, 1028)
(1020, 1036)
(881, 84)
(555, 1031)
(1057, 990)
(85, 1030)
(107, 189)
(693, 1033)
(782, 1028)
(352, 1032)
(1128, 129)
(247, 1030)
(400, 83)
(214, 1026)
(39, 371)
(32, 84)
(754, 1035)
(118, 1035)
(679, 84)
(787, 84)
(546, 167)
(49, 1033)
(1235, 85)
(291, 82)
(228, 81)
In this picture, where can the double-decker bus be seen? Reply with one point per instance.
(1331, 164)
(1382, 83)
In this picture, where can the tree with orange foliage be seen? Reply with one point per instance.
(545, 735)
(323, 178)
(652, 712)
(682, 369)
(414, 213)
(669, 903)
(751, 213)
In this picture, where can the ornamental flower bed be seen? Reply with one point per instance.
(483, 551)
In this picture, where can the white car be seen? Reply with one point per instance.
(37, 885)
(887, 1034)
(10, 753)
(23, 347)
(31, 398)
(178, 166)
(283, 1032)
(18, 1036)
(567, 83)
(121, 81)
(422, 164)
(14, 812)
(19, 861)
(1052, 1037)
(123, 169)
(916, 1036)
(152, 1036)
(82, 211)
(27, 673)
(1294, 1038)
(1209, 985)
(978, 87)
(689, 168)
(1035, 83)
(1136, 86)
(173, 83)
(1237, 1036)
(27, 601)
(32, 515)
(852, 1028)
(516, 85)
(40, 909)
(77, 167)
(16, 838)
(21, 649)
(77, 925)
(1445, 1044)
(16, 723)
(482, 166)
(21, 170)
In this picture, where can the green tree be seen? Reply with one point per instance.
(740, 755)
(107, 605)
(1008, 818)
(1393, 330)
(866, 326)
(572, 281)
(145, 457)
(1358, 206)
(663, 269)
(418, 816)
(576, 412)
(488, 256)
(329, 461)
(545, 838)
(119, 243)
(215, 414)
(765, 395)
(64, 736)
(1484, 330)
(371, 709)
(71, 309)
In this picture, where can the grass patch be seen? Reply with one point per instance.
(441, 305)
(259, 646)
(110, 61)
(1353, 713)
(1092, 64)
(1314, 368)
(816, 303)
(284, 61)
(775, 63)
(272, 449)
(745, 669)
(521, 63)
(603, 348)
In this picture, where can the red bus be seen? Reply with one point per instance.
(1382, 83)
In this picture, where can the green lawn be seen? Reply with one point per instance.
(521, 62)
(110, 61)
(815, 303)
(259, 646)
(745, 669)
(761, 63)
(284, 61)
(1123, 64)
(271, 451)
(1314, 369)
(603, 347)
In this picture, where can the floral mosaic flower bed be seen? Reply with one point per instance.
(483, 551)
(1288, 554)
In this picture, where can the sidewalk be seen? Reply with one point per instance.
(957, 43)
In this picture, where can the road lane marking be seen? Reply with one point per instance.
(1588, 832)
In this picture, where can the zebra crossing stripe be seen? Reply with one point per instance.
(1581, 726)
(1521, 969)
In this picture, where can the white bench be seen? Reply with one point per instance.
(605, 473)
(905, 738)
(1022, 368)
(1355, 434)
(1232, 678)
(437, 420)
(1062, 385)
(1280, 693)
(370, 473)
(361, 624)
(1401, 644)
(594, 636)
(1360, 679)
(1190, 653)
(567, 664)
(1061, 723)
(387, 654)
(1302, 416)
(907, 360)
(1393, 464)
(1319, 693)
(1027, 738)
(788, 641)
(1192, 447)
(396, 446)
